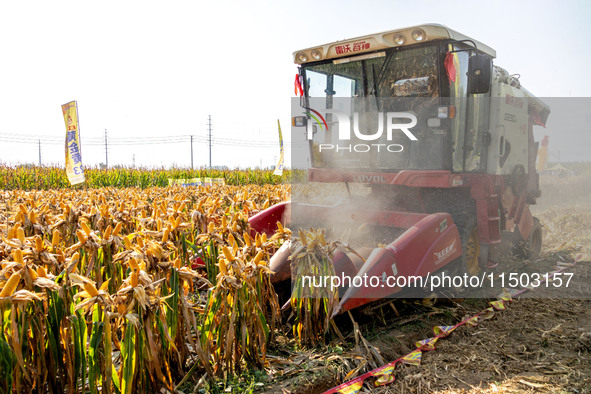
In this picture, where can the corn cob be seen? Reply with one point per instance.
(133, 279)
(90, 289)
(81, 236)
(55, 239)
(227, 253)
(223, 269)
(10, 285)
(259, 257)
(41, 272)
(18, 256)
(39, 244)
(85, 228)
(20, 234)
(133, 264)
(117, 229)
(231, 240)
(108, 231)
(247, 239)
(32, 273)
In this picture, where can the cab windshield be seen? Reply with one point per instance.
(400, 80)
(396, 73)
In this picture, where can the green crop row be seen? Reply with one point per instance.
(45, 178)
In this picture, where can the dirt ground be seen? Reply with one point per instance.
(540, 343)
(536, 345)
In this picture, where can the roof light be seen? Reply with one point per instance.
(302, 57)
(399, 39)
(316, 55)
(445, 112)
(418, 35)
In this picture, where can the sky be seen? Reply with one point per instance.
(151, 73)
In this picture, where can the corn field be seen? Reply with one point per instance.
(45, 178)
(126, 290)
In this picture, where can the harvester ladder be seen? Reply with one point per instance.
(489, 220)
(517, 208)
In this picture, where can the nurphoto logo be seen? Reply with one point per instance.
(391, 122)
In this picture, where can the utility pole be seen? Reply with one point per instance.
(191, 152)
(39, 153)
(209, 141)
(106, 151)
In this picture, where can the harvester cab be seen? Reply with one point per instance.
(442, 137)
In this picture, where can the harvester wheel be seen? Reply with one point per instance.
(469, 261)
(472, 252)
(532, 247)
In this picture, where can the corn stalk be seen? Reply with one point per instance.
(313, 297)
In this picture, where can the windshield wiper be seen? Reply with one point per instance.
(375, 82)
(382, 72)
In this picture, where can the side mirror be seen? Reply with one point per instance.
(479, 74)
(299, 121)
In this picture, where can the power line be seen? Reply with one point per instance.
(89, 141)
(94, 141)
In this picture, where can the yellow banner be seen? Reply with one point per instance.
(73, 152)
(542, 155)
(280, 164)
